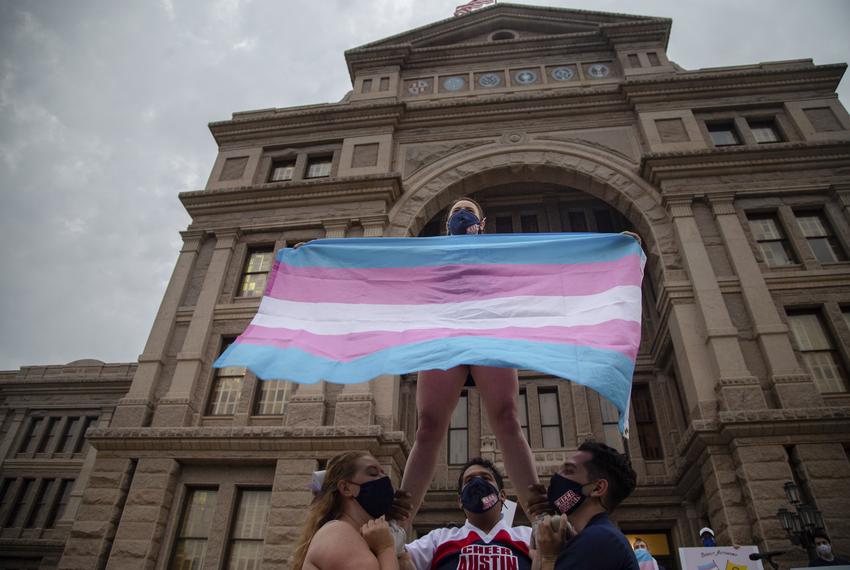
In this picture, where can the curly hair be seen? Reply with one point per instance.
(486, 464)
(609, 464)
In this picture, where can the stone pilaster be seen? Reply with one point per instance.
(290, 495)
(763, 470)
(140, 532)
(93, 531)
(737, 387)
(373, 226)
(727, 509)
(306, 408)
(825, 468)
(355, 406)
(176, 408)
(336, 228)
(134, 409)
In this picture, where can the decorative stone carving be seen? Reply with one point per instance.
(419, 156)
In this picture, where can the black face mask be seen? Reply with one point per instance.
(376, 497)
(565, 495)
(461, 221)
(479, 496)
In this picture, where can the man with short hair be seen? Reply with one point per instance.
(485, 541)
(587, 488)
(824, 553)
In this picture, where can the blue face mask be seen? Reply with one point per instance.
(461, 221)
(479, 496)
(642, 555)
(709, 541)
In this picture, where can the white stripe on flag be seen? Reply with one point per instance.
(623, 302)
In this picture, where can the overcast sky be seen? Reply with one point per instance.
(103, 114)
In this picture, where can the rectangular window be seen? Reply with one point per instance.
(190, 547)
(577, 221)
(647, 428)
(818, 350)
(22, 500)
(845, 312)
(30, 441)
(38, 512)
(60, 503)
(272, 397)
(256, 271)
(771, 240)
(88, 421)
(522, 405)
(249, 529)
(459, 433)
(634, 60)
(50, 434)
(282, 170)
(319, 166)
(611, 424)
(818, 233)
(550, 418)
(504, 225)
(5, 495)
(66, 443)
(384, 84)
(723, 134)
(654, 61)
(529, 223)
(764, 130)
(367, 86)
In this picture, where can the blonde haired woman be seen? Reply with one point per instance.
(345, 527)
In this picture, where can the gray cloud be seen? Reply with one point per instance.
(103, 113)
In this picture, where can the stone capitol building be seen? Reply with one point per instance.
(555, 120)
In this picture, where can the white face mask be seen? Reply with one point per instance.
(824, 549)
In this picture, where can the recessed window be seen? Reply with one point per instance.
(190, 548)
(611, 424)
(764, 130)
(550, 418)
(522, 409)
(256, 271)
(503, 35)
(634, 60)
(30, 441)
(51, 432)
(771, 240)
(226, 388)
(37, 513)
(66, 443)
(818, 233)
(504, 225)
(249, 529)
(367, 86)
(319, 167)
(654, 61)
(282, 171)
(459, 432)
(272, 396)
(19, 508)
(817, 347)
(88, 422)
(845, 312)
(650, 441)
(529, 224)
(60, 503)
(723, 133)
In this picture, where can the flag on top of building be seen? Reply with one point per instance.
(471, 6)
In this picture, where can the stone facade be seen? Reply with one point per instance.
(555, 120)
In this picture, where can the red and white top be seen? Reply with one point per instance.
(470, 548)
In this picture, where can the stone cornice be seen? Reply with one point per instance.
(746, 81)
(658, 167)
(247, 440)
(386, 187)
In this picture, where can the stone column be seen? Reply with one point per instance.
(176, 408)
(289, 495)
(763, 470)
(727, 509)
(794, 388)
(149, 502)
(91, 535)
(134, 409)
(706, 335)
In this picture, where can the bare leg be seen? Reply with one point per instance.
(437, 394)
(498, 388)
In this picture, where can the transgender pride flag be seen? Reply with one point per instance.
(349, 310)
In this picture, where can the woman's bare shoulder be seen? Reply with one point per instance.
(339, 545)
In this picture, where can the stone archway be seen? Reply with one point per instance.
(597, 173)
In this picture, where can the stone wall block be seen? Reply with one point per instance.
(291, 499)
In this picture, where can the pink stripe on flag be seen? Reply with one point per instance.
(449, 283)
(613, 335)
